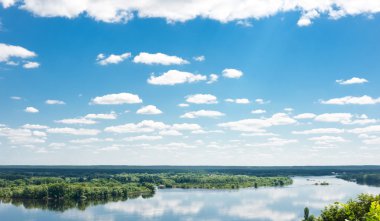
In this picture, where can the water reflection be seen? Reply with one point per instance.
(267, 204)
(63, 205)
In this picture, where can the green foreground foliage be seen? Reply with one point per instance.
(365, 208)
(120, 186)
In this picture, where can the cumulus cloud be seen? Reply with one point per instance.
(364, 130)
(320, 131)
(334, 117)
(110, 116)
(181, 11)
(158, 58)
(73, 131)
(202, 99)
(143, 137)
(212, 78)
(112, 59)
(199, 58)
(22, 136)
(186, 126)
(232, 73)
(261, 101)
(203, 113)
(53, 102)
(344, 118)
(352, 100)
(275, 142)
(8, 52)
(306, 18)
(149, 109)
(121, 98)
(257, 124)
(258, 111)
(31, 65)
(31, 110)
(237, 101)
(17, 98)
(76, 121)
(327, 140)
(183, 105)
(144, 126)
(170, 133)
(173, 77)
(354, 80)
(305, 116)
(34, 126)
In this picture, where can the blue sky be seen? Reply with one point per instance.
(86, 83)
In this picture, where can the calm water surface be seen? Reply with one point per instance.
(272, 204)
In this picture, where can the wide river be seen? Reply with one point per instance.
(272, 203)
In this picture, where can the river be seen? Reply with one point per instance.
(266, 204)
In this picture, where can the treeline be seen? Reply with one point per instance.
(365, 208)
(364, 179)
(77, 171)
(122, 185)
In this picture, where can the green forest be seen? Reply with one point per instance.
(105, 187)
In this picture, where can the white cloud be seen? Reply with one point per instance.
(203, 113)
(305, 116)
(344, 118)
(354, 80)
(232, 73)
(306, 18)
(144, 126)
(31, 110)
(352, 100)
(149, 109)
(183, 105)
(372, 141)
(31, 65)
(121, 98)
(258, 111)
(369, 129)
(73, 131)
(244, 23)
(86, 141)
(186, 126)
(110, 116)
(238, 100)
(261, 101)
(212, 78)
(173, 77)
(199, 58)
(7, 3)
(34, 126)
(17, 98)
(201, 99)
(8, 52)
(320, 131)
(170, 133)
(257, 124)
(22, 136)
(112, 59)
(275, 141)
(143, 137)
(52, 102)
(158, 58)
(181, 11)
(327, 140)
(76, 121)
